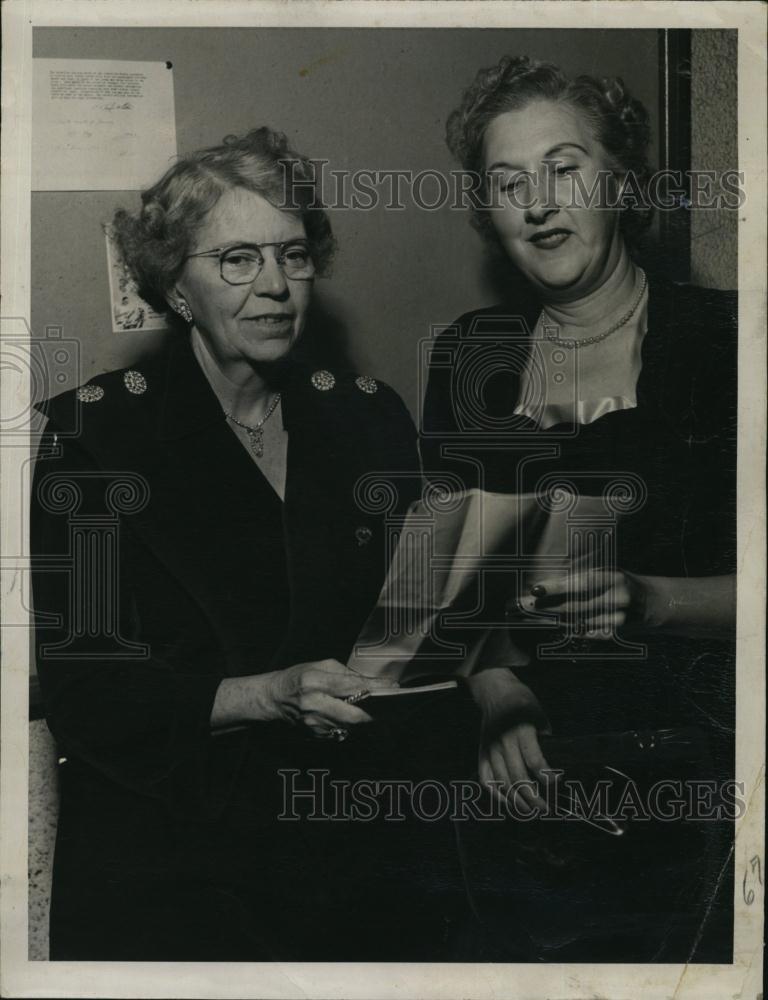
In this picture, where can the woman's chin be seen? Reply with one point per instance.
(270, 351)
(559, 279)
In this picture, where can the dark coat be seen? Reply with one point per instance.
(212, 577)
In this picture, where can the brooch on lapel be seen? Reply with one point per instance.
(323, 380)
(90, 393)
(134, 382)
(367, 384)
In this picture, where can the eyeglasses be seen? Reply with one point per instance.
(242, 264)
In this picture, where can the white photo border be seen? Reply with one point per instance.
(22, 978)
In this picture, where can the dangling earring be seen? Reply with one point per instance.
(183, 310)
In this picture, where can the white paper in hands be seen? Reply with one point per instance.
(459, 564)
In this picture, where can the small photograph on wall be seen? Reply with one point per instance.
(127, 308)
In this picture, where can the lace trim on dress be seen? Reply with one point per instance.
(587, 411)
(553, 411)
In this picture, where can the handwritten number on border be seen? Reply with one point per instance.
(755, 869)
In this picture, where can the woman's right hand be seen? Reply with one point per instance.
(307, 694)
(312, 695)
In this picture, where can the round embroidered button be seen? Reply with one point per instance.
(367, 384)
(89, 393)
(558, 357)
(558, 377)
(135, 382)
(363, 535)
(323, 380)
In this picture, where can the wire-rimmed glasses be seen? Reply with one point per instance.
(241, 264)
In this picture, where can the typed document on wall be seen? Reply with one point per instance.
(101, 125)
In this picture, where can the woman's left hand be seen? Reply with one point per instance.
(598, 600)
(510, 762)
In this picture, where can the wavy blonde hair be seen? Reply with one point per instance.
(617, 120)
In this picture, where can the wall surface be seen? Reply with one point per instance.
(375, 99)
(714, 146)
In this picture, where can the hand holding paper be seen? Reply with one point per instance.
(462, 574)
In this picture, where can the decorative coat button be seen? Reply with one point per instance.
(134, 382)
(89, 393)
(363, 535)
(323, 380)
(367, 384)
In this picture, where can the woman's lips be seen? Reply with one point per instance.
(550, 240)
(277, 323)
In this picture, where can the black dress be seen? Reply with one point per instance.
(678, 447)
(164, 562)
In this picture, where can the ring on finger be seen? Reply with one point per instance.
(337, 734)
(353, 699)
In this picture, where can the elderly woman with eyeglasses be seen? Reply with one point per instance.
(193, 668)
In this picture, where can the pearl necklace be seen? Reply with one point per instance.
(571, 344)
(255, 433)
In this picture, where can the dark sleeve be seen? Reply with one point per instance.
(135, 719)
(440, 429)
(711, 542)
(401, 445)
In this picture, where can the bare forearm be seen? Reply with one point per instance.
(690, 605)
(502, 696)
(489, 685)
